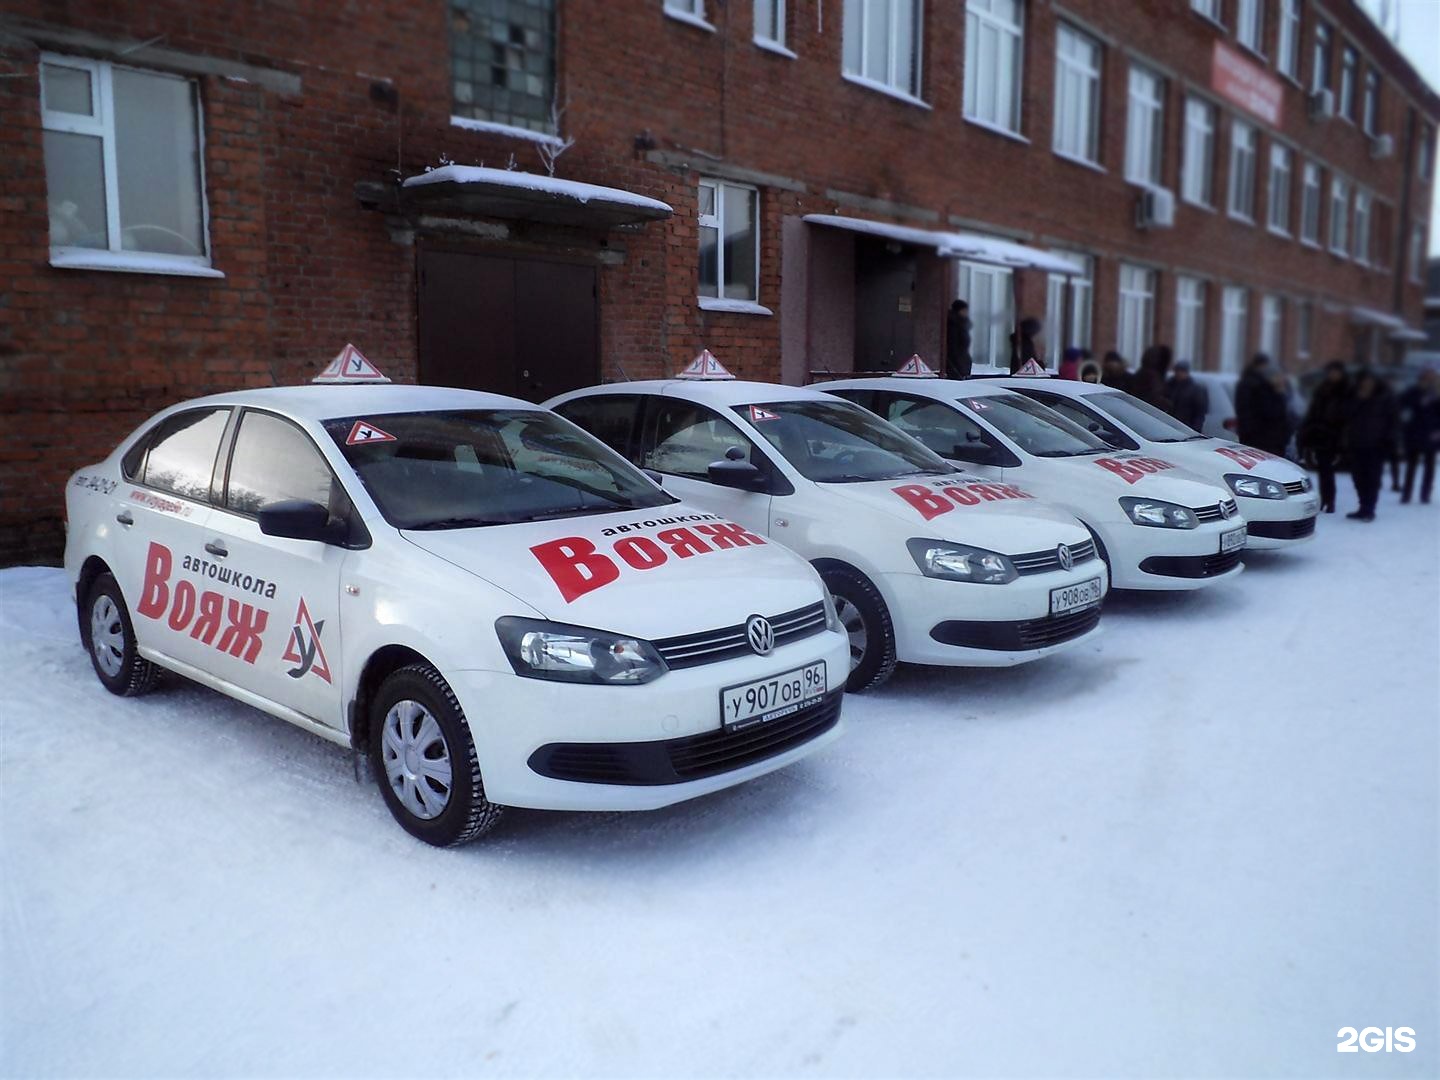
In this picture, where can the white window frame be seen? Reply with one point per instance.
(1287, 43)
(689, 11)
(1197, 166)
(890, 84)
(716, 221)
(1243, 152)
(1190, 319)
(1419, 233)
(992, 314)
(1135, 324)
(1312, 202)
(1144, 126)
(772, 38)
(1279, 182)
(1209, 9)
(1250, 25)
(101, 124)
(1349, 72)
(1234, 314)
(1073, 74)
(1361, 226)
(1321, 59)
(1339, 216)
(1425, 157)
(1272, 326)
(980, 21)
(1082, 292)
(1370, 109)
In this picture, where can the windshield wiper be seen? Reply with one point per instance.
(455, 523)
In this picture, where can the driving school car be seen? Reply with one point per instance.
(1276, 496)
(487, 601)
(926, 564)
(1157, 526)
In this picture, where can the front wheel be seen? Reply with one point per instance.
(425, 759)
(109, 638)
(867, 621)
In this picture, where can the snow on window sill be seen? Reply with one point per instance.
(690, 19)
(1243, 219)
(1253, 51)
(1313, 245)
(131, 262)
(887, 90)
(775, 47)
(1198, 205)
(735, 307)
(1075, 159)
(1275, 230)
(491, 127)
(997, 129)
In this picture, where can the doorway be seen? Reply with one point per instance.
(884, 304)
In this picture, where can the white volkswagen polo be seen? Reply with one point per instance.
(926, 564)
(1159, 527)
(488, 602)
(1276, 496)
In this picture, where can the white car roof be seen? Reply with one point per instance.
(1063, 387)
(717, 393)
(941, 389)
(326, 401)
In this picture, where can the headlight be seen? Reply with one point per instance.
(960, 562)
(1159, 515)
(1254, 487)
(546, 650)
(832, 617)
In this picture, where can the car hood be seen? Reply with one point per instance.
(1122, 473)
(1216, 457)
(651, 573)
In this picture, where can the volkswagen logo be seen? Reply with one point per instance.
(1226, 508)
(1065, 557)
(760, 634)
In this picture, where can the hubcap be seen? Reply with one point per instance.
(417, 759)
(854, 627)
(107, 635)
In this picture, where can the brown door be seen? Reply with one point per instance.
(884, 305)
(524, 327)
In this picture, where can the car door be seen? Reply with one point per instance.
(948, 432)
(284, 592)
(162, 511)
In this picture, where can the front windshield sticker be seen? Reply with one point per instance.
(367, 433)
(759, 414)
(978, 404)
(1247, 457)
(942, 496)
(577, 566)
(1133, 469)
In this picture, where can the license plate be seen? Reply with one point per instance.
(1071, 597)
(764, 700)
(1233, 540)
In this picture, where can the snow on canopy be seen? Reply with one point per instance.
(972, 247)
(567, 189)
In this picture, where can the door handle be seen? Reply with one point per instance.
(216, 548)
(125, 518)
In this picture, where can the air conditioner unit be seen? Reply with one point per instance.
(1382, 146)
(1155, 209)
(1322, 104)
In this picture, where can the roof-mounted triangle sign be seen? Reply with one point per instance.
(1030, 368)
(350, 366)
(915, 368)
(705, 366)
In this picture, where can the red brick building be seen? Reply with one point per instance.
(199, 196)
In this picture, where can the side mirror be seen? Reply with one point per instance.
(658, 478)
(298, 520)
(735, 472)
(977, 454)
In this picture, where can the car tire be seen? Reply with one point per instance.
(109, 638)
(867, 620)
(419, 740)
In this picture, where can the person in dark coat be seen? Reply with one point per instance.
(1113, 372)
(1420, 425)
(1261, 412)
(1370, 424)
(1323, 428)
(957, 341)
(1026, 346)
(1189, 400)
(1149, 382)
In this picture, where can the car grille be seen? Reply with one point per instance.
(1220, 511)
(1193, 566)
(728, 642)
(1053, 629)
(1018, 636)
(692, 757)
(1043, 562)
(1297, 487)
(1283, 530)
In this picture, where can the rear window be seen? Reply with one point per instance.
(178, 456)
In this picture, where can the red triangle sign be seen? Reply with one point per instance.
(1031, 367)
(758, 414)
(915, 368)
(350, 366)
(304, 649)
(705, 366)
(364, 432)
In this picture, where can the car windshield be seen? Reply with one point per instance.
(1143, 418)
(1037, 430)
(461, 470)
(835, 442)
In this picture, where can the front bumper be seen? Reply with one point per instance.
(1175, 559)
(1280, 523)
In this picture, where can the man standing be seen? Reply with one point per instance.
(1113, 372)
(1369, 436)
(957, 341)
(1261, 413)
(1149, 382)
(1189, 401)
(1323, 428)
(1420, 415)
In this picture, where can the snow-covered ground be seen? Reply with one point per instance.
(1201, 847)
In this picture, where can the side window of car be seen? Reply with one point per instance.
(180, 453)
(1090, 421)
(610, 418)
(685, 438)
(274, 461)
(949, 433)
(864, 398)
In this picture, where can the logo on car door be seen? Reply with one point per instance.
(304, 649)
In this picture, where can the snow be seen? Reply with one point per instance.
(132, 262)
(972, 247)
(490, 127)
(569, 189)
(1199, 846)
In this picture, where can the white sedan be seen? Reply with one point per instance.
(488, 602)
(927, 564)
(1158, 526)
(1276, 496)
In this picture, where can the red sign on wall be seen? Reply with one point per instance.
(1246, 84)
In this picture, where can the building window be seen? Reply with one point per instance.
(1279, 184)
(1371, 114)
(988, 291)
(1250, 24)
(770, 22)
(502, 62)
(1243, 141)
(690, 10)
(1304, 327)
(729, 241)
(1137, 311)
(122, 163)
(1077, 333)
(993, 38)
(1339, 211)
(1425, 158)
(1362, 227)
(1145, 127)
(1320, 58)
(1287, 51)
(1348, 63)
(1209, 8)
(1189, 320)
(882, 44)
(1310, 205)
(1198, 169)
(1077, 94)
(1272, 322)
(1417, 250)
(1232, 328)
